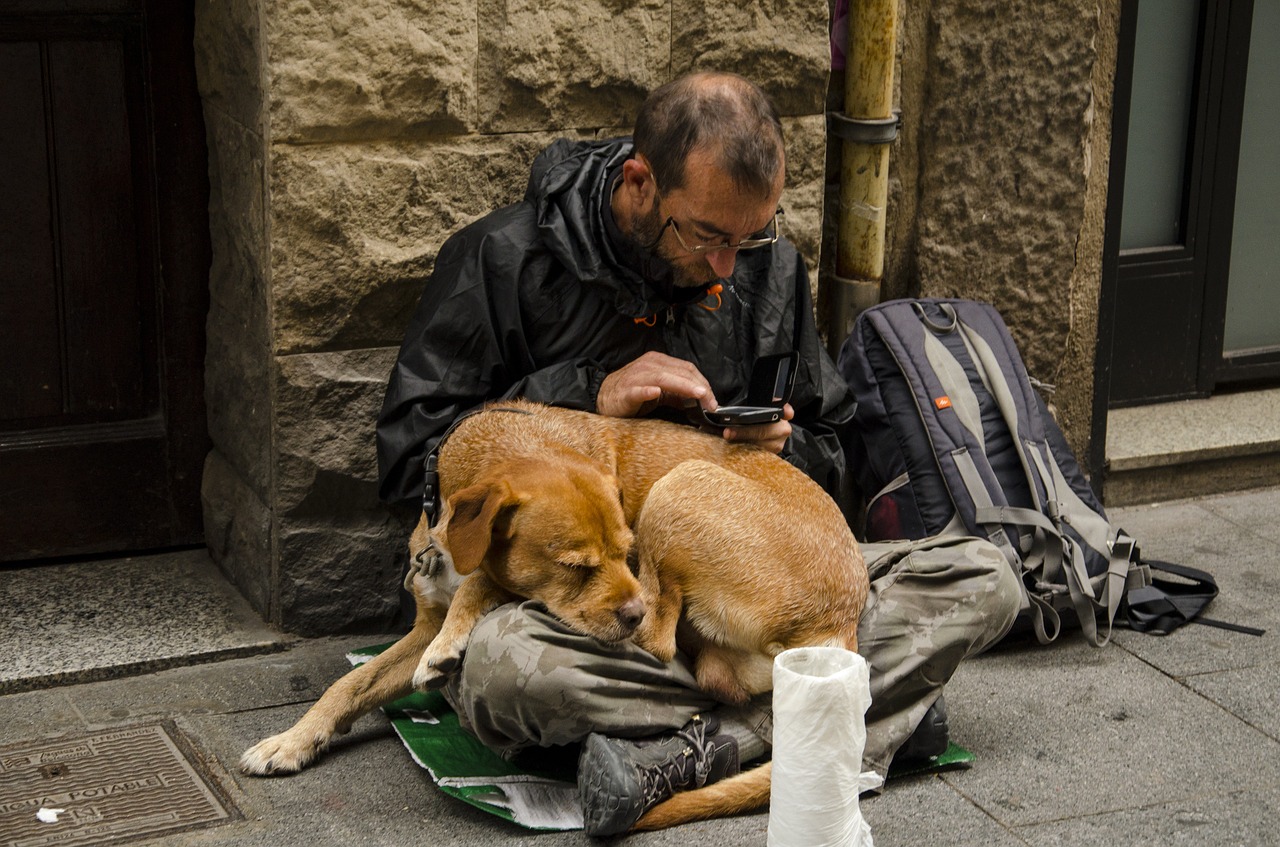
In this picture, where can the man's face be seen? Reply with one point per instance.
(686, 271)
(708, 210)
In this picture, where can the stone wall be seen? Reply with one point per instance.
(346, 142)
(1000, 174)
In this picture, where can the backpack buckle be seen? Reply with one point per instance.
(1124, 547)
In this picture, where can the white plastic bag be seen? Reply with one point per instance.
(820, 699)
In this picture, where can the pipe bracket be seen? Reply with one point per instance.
(864, 130)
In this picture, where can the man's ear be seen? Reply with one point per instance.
(476, 513)
(637, 179)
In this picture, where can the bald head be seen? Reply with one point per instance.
(726, 115)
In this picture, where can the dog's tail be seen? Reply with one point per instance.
(744, 792)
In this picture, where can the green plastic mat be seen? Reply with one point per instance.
(542, 797)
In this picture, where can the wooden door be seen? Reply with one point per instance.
(104, 283)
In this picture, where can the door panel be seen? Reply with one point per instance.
(28, 295)
(1196, 286)
(1160, 123)
(107, 285)
(1253, 298)
(1157, 339)
(102, 430)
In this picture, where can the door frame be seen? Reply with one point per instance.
(1218, 102)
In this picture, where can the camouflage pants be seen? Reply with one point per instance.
(528, 680)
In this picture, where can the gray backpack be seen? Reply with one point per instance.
(951, 438)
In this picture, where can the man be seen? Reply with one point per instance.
(644, 276)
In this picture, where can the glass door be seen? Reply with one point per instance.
(1251, 335)
(1197, 278)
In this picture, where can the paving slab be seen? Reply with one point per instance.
(1251, 694)
(1258, 513)
(1150, 741)
(1236, 818)
(1075, 731)
(37, 714)
(1200, 534)
(299, 675)
(368, 791)
(920, 810)
(94, 620)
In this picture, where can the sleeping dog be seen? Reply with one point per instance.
(548, 504)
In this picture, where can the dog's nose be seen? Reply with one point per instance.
(631, 613)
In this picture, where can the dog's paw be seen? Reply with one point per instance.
(286, 753)
(435, 669)
(662, 644)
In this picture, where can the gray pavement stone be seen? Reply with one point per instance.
(37, 714)
(1074, 731)
(920, 810)
(1256, 512)
(299, 675)
(1251, 694)
(1244, 565)
(1150, 741)
(1237, 818)
(368, 791)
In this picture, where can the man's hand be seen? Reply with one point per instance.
(771, 437)
(652, 380)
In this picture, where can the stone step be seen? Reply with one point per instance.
(1168, 451)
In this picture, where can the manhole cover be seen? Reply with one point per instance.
(106, 787)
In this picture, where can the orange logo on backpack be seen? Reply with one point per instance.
(943, 402)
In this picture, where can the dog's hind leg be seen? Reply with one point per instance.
(386, 677)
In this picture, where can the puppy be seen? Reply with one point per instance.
(547, 503)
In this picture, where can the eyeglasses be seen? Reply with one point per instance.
(702, 247)
(766, 236)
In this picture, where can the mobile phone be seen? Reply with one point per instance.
(772, 378)
(742, 415)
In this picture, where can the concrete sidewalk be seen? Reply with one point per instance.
(1159, 741)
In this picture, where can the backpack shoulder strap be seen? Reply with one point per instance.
(909, 329)
(1057, 507)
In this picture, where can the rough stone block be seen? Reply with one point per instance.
(340, 572)
(237, 384)
(229, 60)
(326, 408)
(237, 530)
(783, 46)
(560, 64)
(1004, 171)
(376, 69)
(356, 229)
(237, 187)
(803, 198)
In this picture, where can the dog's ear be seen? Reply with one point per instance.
(476, 513)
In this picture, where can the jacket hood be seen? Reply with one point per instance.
(570, 186)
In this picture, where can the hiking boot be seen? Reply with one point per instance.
(930, 737)
(620, 779)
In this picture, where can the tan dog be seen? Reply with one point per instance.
(541, 502)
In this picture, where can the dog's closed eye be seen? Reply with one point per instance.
(576, 559)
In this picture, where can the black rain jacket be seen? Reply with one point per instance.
(544, 298)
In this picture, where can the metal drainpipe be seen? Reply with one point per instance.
(867, 127)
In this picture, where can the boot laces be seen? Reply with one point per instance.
(659, 783)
